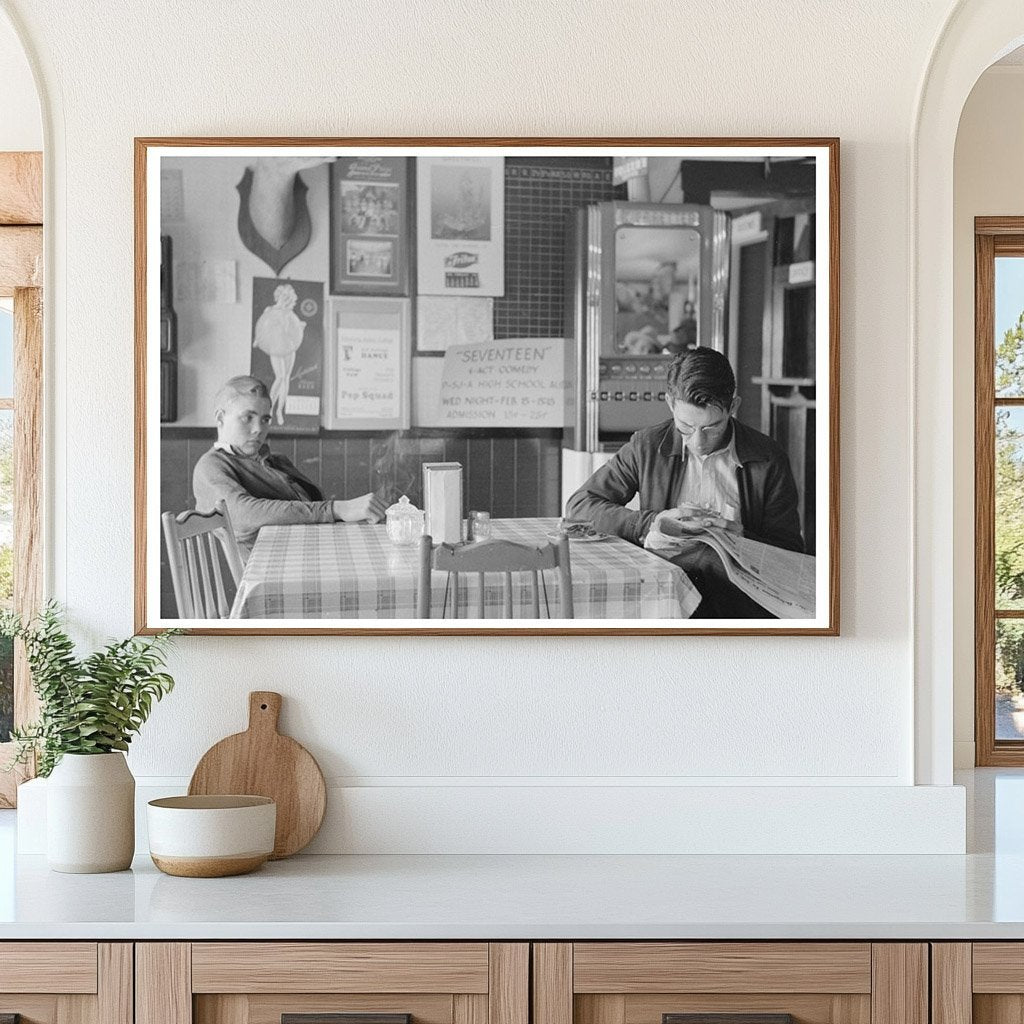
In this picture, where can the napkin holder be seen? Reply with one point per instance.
(442, 501)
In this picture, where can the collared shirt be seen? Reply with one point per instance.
(710, 480)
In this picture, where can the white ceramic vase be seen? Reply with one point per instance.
(90, 814)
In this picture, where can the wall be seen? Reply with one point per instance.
(560, 734)
(21, 127)
(987, 182)
(215, 340)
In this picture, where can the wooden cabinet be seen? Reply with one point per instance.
(653, 982)
(66, 982)
(498, 983)
(259, 982)
(977, 983)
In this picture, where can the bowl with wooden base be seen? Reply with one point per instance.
(211, 836)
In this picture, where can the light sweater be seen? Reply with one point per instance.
(259, 490)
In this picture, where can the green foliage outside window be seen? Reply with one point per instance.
(1009, 510)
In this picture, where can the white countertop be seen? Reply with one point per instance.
(977, 896)
(517, 897)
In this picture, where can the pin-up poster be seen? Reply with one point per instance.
(287, 350)
(369, 226)
(460, 225)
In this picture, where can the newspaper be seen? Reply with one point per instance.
(782, 582)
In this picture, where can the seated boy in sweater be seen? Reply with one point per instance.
(259, 487)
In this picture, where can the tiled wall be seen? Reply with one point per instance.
(511, 474)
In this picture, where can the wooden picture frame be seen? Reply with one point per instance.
(514, 472)
(994, 237)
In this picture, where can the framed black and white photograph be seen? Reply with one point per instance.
(370, 225)
(602, 399)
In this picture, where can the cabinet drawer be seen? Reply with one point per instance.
(332, 982)
(340, 967)
(634, 967)
(64, 967)
(730, 983)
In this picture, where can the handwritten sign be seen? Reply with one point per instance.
(514, 382)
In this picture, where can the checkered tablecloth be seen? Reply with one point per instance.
(339, 571)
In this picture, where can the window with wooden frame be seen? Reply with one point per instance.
(21, 365)
(999, 490)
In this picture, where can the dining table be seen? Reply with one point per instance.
(345, 571)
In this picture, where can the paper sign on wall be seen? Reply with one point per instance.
(206, 281)
(515, 382)
(446, 320)
(460, 225)
(369, 372)
(368, 364)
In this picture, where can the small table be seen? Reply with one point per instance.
(339, 571)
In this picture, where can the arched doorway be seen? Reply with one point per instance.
(976, 34)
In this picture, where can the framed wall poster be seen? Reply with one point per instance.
(370, 225)
(460, 225)
(368, 364)
(699, 329)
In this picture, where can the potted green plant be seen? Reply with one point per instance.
(90, 708)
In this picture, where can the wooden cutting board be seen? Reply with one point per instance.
(262, 762)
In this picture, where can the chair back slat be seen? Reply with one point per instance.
(218, 577)
(179, 578)
(229, 547)
(423, 584)
(196, 542)
(565, 579)
(500, 557)
(192, 566)
(506, 595)
(206, 574)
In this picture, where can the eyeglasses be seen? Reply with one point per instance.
(688, 431)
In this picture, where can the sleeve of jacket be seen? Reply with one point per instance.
(602, 499)
(780, 524)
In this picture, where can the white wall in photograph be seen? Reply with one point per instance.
(455, 722)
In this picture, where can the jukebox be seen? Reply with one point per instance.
(645, 281)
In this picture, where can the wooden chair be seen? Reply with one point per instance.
(195, 543)
(496, 556)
